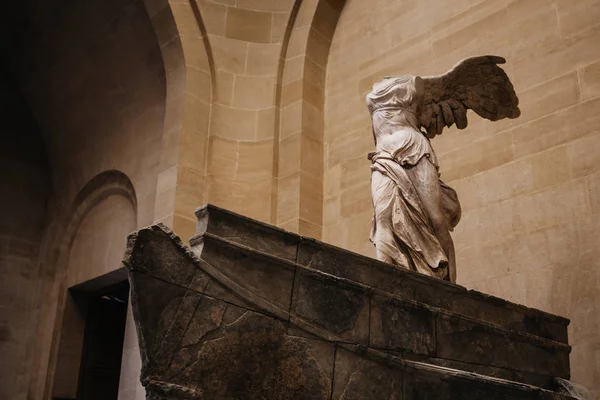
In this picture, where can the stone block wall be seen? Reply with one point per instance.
(258, 106)
(93, 78)
(528, 187)
(247, 39)
(24, 189)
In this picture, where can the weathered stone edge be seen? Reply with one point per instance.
(370, 353)
(528, 311)
(543, 342)
(388, 359)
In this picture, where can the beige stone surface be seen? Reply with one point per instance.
(590, 80)
(95, 252)
(234, 103)
(265, 126)
(24, 191)
(290, 152)
(243, 147)
(263, 59)
(95, 83)
(248, 25)
(233, 123)
(255, 160)
(229, 54)
(289, 199)
(291, 119)
(529, 186)
(253, 92)
(131, 363)
(279, 24)
(99, 240)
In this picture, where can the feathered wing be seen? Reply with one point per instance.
(476, 83)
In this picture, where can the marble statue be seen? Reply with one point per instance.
(414, 211)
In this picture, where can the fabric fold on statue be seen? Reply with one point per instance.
(401, 230)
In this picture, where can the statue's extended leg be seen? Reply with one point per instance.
(387, 249)
(424, 177)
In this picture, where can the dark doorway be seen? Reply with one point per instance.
(100, 367)
(90, 346)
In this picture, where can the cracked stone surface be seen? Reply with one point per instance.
(297, 319)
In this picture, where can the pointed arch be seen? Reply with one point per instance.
(190, 70)
(98, 189)
(300, 118)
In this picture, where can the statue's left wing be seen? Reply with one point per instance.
(476, 83)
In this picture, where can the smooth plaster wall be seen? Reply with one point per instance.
(530, 187)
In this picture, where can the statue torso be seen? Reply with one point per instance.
(393, 104)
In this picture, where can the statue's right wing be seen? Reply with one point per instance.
(476, 83)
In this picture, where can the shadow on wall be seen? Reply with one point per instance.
(94, 78)
(24, 191)
(102, 215)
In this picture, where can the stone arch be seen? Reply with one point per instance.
(190, 71)
(96, 121)
(300, 133)
(100, 188)
(180, 164)
(247, 39)
(97, 189)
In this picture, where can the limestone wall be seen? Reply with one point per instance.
(246, 42)
(24, 187)
(94, 79)
(258, 106)
(93, 76)
(529, 187)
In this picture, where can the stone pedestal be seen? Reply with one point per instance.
(254, 312)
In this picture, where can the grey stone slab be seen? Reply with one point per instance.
(266, 277)
(158, 252)
(206, 322)
(251, 358)
(219, 291)
(241, 323)
(199, 281)
(358, 378)
(519, 317)
(329, 303)
(405, 327)
(176, 328)
(425, 384)
(401, 326)
(361, 373)
(245, 231)
(156, 305)
(467, 341)
(430, 291)
(345, 264)
(491, 371)
(339, 262)
(487, 308)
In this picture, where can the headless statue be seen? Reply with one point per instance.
(414, 211)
